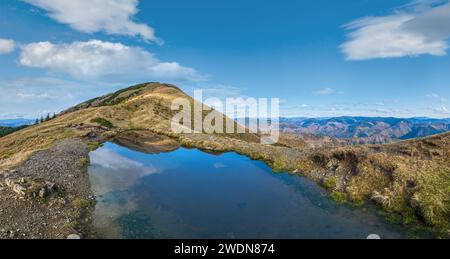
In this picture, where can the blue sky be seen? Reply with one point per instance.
(321, 58)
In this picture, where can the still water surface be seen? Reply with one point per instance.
(192, 194)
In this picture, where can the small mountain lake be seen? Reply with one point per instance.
(191, 194)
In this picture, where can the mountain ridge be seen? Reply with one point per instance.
(15, 122)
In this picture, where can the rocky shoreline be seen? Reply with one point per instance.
(48, 196)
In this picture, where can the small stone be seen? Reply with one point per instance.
(9, 182)
(91, 135)
(51, 187)
(333, 164)
(43, 193)
(73, 236)
(19, 189)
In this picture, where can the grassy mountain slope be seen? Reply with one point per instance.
(409, 179)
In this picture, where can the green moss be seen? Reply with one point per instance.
(80, 203)
(278, 166)
(61, 192)
(409, 219)
(71, 225)
(304, 165)
(391, 218)
(358, 201)
(330, 183)
(339, 197)
(94, 145)
(84, 162)
(103, 122)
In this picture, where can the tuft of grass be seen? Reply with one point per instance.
(80, 204)
(92, 146)
(432, 200)
(84, 162)
(330, 183)
(339, 197)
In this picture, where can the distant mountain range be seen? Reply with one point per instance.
(366, 130)
(15, 122)
(357, 130)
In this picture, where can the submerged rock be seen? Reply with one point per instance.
(373, 237)
(73, 237)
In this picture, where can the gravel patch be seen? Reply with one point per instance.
(60, 214)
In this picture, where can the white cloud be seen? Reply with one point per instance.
(418, 29)
(324, 91)
(115, 17)
(7, 46)
(108, 158)
(103, 60)
(120, 172)
(348, 109)
(441, 110)
(437, 97)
